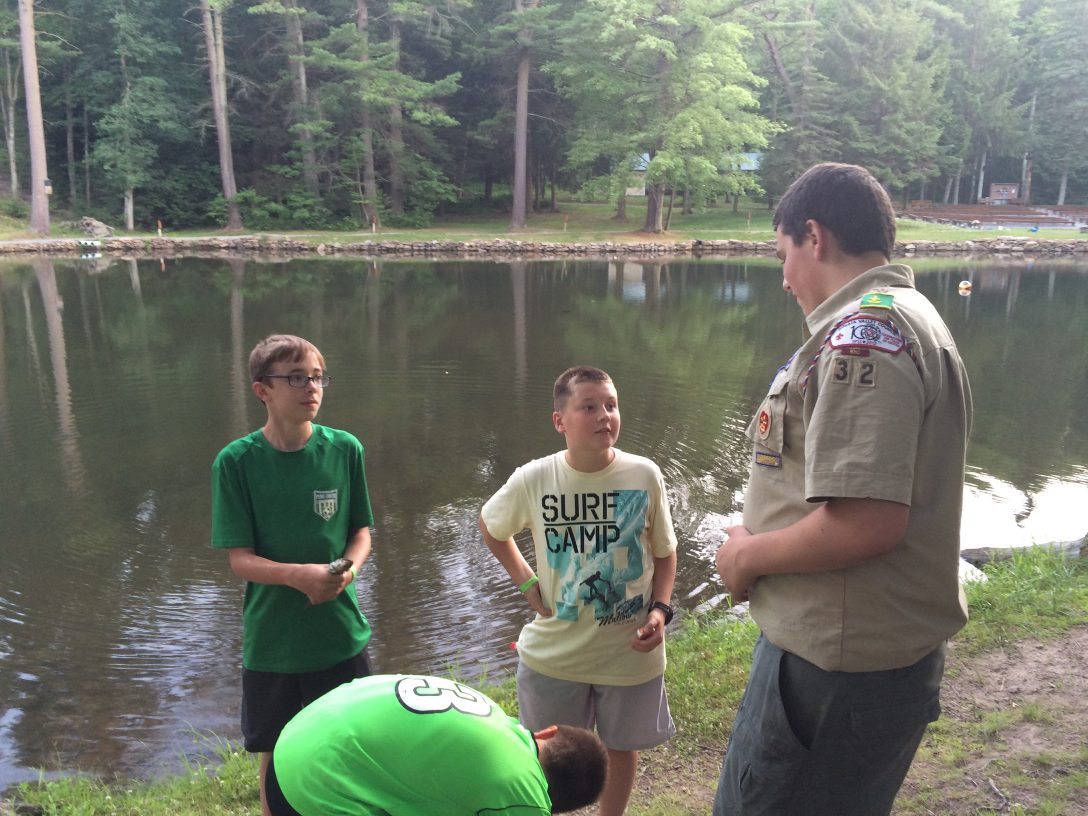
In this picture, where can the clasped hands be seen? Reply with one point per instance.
(729, 562)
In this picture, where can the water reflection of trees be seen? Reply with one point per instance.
(1024, 339)
(95, 513)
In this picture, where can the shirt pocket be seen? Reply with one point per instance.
(767, 428)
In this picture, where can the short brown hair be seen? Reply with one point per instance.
(279, 348)
(575, 763)
(566, 381)
(845, 199)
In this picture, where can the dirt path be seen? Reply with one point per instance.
(1013, 727)
(1030, 700)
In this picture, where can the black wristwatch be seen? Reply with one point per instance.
(664, 607)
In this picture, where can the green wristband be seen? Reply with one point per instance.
(528, 584)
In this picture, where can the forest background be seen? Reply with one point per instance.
(348, 114)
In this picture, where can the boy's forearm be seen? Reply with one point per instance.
(839, 534)
(507, 553)
(664, 578)
(358, 548)
(247, 565)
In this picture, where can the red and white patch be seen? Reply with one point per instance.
(862, 332)
(763, 426)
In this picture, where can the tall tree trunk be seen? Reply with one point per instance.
(217, 75)
(70, 139)
(1064, 186)
(947, 190)
(130, 209)
(370, 177)
(621, 205)
(1025, 168)
(981, 176)
(655, 194)
(86, 157)
(397, 195)
(521, 123)
(8, 103)
(296, 48)
(956, 186)
(39, 173)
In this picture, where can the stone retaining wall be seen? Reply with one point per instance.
(498, 248)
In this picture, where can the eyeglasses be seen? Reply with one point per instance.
(300, 380)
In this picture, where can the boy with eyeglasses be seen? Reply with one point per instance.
(290, 506)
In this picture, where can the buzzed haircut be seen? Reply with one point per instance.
(845, 199)
(279, 348)
(575, 763)
(565, 382)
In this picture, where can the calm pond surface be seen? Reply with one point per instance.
(119, 382)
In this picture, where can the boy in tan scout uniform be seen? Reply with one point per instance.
(849, 551)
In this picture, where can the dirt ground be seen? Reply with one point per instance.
(1049, 679)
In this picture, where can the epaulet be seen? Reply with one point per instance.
(877, 300)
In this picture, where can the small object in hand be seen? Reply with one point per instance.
(339, 566)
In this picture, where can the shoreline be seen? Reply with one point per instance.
(500, 248)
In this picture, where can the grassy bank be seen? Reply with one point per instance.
(579, 223)
(1036, 594)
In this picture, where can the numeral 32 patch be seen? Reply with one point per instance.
(854, 371)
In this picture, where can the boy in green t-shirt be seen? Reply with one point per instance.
(403, 745)
(288, 501)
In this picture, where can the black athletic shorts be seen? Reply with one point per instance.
(277, 802)
(271, 699)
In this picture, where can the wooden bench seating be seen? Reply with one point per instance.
(992, 215)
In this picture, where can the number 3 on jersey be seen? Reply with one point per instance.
(433, 695)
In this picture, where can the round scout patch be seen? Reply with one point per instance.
(764, 424)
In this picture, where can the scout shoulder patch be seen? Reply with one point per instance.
(876, 300)
(861, 331)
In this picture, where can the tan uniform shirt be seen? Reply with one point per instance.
(874, 404)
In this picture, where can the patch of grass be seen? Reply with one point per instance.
(707, 671)
(226, 786)
(1036, 593)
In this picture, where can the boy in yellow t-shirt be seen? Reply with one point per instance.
(605, 556)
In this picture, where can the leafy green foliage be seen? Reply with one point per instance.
(667, 84)
(299, 210)
(415, 100)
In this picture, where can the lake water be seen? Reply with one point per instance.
(120, 380)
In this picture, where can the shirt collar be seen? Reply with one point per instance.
(879, 276)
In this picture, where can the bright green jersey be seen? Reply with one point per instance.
(297, 507)
(401, 745)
